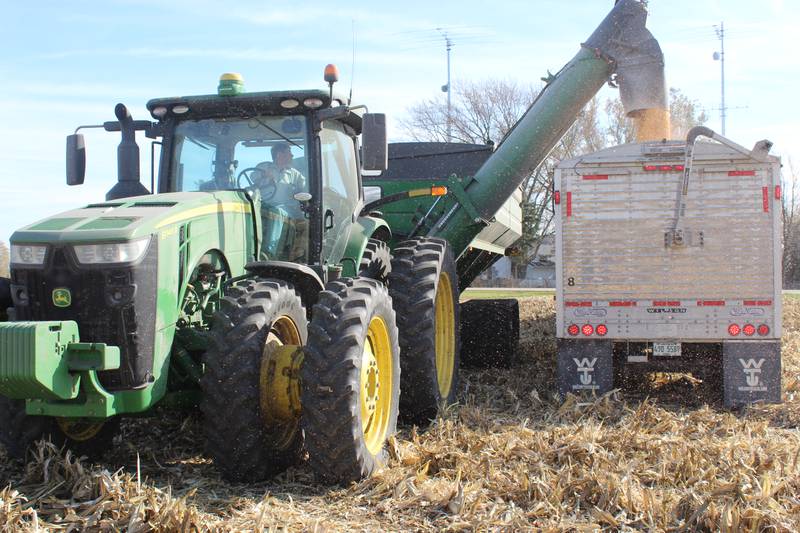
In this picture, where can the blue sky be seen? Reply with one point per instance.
(63, 64)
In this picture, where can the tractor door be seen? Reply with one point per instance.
(340, 189)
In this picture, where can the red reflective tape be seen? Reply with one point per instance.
(777, 192)
(765, 194)
(757, 302)
(557, 197)
(569, 204)
(666, 303)
(742, 173)
(577, 304)
(596, 177)
(622, 304)
(710, 303)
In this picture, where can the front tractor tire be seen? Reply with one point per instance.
(20, 431)
(350, 380)
(424, 289)
(250, 388)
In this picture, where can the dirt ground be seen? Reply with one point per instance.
(509, 457)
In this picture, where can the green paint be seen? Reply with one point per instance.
(107, 223)
(33, 362)
(55, 224)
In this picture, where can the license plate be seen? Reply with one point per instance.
(666, 349)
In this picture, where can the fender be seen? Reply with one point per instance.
(304, 278)
(365, 228)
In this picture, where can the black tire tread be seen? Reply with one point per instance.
(376, 262)
(331, 378)
(236, 437)
(20, 431)
(489, 333)
(413, 284)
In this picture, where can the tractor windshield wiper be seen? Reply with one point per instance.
(279, 134)
(198, 143)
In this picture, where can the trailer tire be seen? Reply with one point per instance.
(244, 442)
(376, 262)
(424, 288)
(5, 298)
(489, 333)
(350, 380)
(20, 431)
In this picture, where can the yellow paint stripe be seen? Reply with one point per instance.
(213, 209)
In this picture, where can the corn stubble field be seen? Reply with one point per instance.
(510, 457)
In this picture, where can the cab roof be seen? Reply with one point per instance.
(247, 105)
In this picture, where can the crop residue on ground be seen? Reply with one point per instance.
(666, 457)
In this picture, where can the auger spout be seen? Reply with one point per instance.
(620, 45)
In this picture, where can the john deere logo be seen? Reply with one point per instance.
(62, 297)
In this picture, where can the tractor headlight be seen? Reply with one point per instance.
(109, 253)
(27, 254)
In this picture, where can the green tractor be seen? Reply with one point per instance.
(300, 307)
(253, 283)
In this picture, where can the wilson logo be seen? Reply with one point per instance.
(752, 372)
(585, 370)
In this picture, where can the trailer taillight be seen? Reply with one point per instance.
(749, 330)
(601, 330)
(734, 330)
(587, 330)
(557, 197)
(664, 168)
(763, 330)
(573, 329)
(777, 192)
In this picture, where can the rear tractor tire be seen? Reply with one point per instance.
(376, 262)
(350, 380)
(424, 288)
(20, 431)
(251, 391)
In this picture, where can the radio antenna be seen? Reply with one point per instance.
(353, 65)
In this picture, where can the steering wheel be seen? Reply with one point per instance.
(268, 189)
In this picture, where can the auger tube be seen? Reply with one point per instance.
(621, 44)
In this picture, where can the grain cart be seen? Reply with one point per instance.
(669, 260)
(254, 280)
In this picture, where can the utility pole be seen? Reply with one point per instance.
(720, 56)
(446, 88)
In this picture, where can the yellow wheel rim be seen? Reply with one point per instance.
(79, 429)
(445, 321)
(376, 385)
(279, 405)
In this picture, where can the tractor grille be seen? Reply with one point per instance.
(113, 305)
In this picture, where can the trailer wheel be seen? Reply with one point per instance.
(489, 333)
(424, 288)
(20, 431)
(350, 380)
(376, 262)
(5, 298)
(251, 424)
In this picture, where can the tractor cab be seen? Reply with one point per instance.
(294, 152)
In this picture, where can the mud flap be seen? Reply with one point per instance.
(585, 366)
(752, 372)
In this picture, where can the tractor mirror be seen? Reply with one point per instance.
(374, 148)
(76, 159)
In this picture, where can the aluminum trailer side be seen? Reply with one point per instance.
(652, 279)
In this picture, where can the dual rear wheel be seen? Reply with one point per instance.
(343, 368)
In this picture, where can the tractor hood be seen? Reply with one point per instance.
(130, 218)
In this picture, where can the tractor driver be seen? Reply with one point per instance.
(285, 224)
(280, 170)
